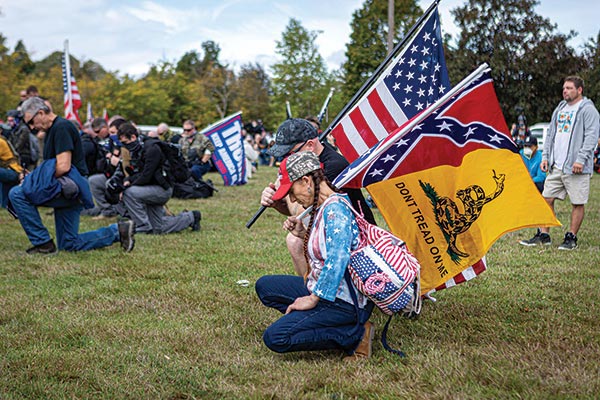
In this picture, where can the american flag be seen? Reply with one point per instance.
(413, 81)
(72, 99)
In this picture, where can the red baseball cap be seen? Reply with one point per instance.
(293, 168)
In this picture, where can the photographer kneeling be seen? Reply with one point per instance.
(149, 186)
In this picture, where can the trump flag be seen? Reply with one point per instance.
(229, 157)
(451, 182)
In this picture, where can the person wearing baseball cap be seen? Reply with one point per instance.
(319, 311)
(295, 135)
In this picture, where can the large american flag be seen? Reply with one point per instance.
(414, 80)
(72, 103)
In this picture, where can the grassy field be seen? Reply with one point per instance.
(169, 321)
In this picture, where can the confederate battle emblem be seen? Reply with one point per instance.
(449, 218)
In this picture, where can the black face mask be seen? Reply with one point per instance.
(133, 147)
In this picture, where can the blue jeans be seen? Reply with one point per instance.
(199, 170)
(8, 179)
(330, 325)
(66, 222)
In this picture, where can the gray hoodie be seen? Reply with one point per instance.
(584, 137)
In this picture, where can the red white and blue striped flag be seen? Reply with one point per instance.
(414, 80)
(72, 99)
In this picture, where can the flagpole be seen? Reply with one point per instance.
(68, 75)
(365, 86)
(380, 68)
(411, 124)
(325, 104)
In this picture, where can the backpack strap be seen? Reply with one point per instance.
(387, 324)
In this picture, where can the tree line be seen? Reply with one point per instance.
(528, 56)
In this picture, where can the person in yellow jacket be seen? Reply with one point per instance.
(11, 172)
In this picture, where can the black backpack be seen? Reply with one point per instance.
(175, 164)
(193, 189)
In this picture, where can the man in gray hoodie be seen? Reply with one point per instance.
(568, 157)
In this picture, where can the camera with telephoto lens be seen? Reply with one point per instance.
(115, 186)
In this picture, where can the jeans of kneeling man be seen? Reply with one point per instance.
(66, 222)
(145, 205)
(199, 170)
(330, 325)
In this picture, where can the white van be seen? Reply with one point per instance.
(147, 128)
(539, 131)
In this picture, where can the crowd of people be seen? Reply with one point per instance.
(111, 169)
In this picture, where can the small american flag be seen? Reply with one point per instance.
(72, 99)
(414, 80)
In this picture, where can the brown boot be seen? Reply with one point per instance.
(365, 347)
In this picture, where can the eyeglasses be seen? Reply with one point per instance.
(30, 122)
(299, 148)
(188, 130)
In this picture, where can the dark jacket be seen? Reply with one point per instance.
(149, 166)
(20, 140)
(41, 185)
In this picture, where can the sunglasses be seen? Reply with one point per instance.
(30, 122)
(188, 130)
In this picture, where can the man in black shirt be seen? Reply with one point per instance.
(62, 151)
(296, 135)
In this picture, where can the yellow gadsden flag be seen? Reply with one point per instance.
(450, 216)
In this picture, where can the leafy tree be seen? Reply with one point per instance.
(252, 91)
(368, 40)
(591, 53)
(21, 58)
(211, 54)
(301, 75)
(190, 65)
(219, 83)
(528, 59)
(10, 80)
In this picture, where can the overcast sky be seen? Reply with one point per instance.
(130, 35)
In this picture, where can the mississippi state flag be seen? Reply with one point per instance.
(470, 120)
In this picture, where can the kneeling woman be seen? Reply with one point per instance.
(319, 311)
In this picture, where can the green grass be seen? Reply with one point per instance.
(168, 320)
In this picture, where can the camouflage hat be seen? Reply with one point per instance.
(291, 132)
(293, 168)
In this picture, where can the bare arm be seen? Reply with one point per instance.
(63, 163)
